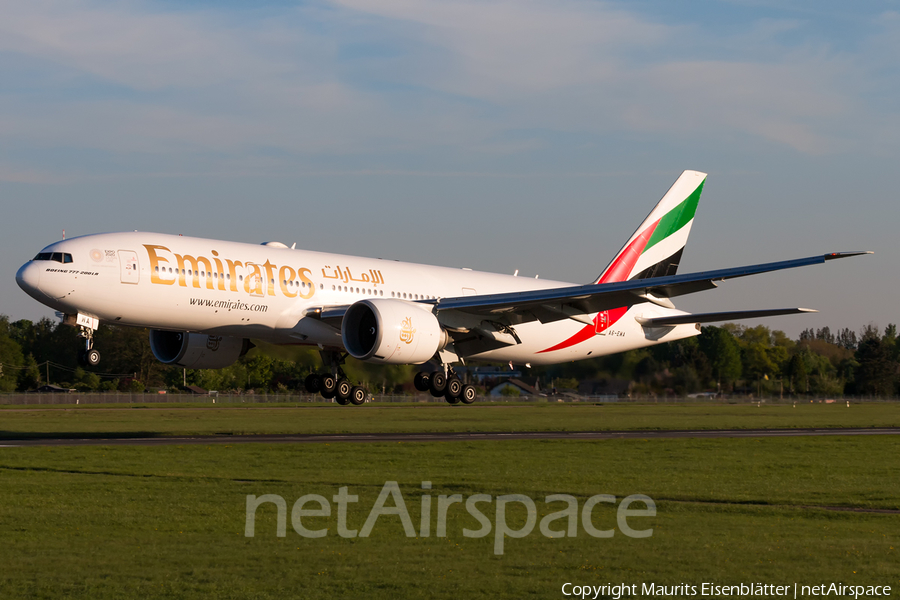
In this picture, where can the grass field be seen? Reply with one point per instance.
(145, 420)
(168, 521)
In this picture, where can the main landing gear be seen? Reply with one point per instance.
(447, 385)
(335, 385)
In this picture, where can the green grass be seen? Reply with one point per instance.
(168, 522)
(146, 420)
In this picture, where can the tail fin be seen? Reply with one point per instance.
(655, 249)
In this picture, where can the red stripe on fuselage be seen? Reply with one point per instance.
(602, 321)
(618, 271)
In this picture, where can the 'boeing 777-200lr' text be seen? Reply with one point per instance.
(203, 300)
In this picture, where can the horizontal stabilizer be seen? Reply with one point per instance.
(717, 317)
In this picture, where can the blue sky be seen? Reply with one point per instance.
(531, 135)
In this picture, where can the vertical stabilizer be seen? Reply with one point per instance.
(655, 248)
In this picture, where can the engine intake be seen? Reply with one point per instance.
(196, 350)
(392, 332)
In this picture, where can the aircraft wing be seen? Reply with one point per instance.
(570, 302)
(573, 302)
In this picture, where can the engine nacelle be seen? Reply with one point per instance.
(196, 350)
(393, 332)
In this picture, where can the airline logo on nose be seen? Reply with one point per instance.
(407, 331)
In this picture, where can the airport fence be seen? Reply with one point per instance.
(219, 399)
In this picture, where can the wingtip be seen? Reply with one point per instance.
(807, 310)
(835, 255)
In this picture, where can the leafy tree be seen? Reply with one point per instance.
(799, 381)
(846, 338)
(30, 377)
(877, 371)
(85, 381)
(723, 353)
(10, 358)
(825, 335)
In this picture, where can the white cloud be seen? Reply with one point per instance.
(461, 77)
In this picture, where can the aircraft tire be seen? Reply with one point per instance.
(454, 388)
(342, 401)
(92, 357)
(342, 389)
(327, 383)
(312, 383)
(358, 395)
(469, 394)
(422, 381)
(452, 399)
(437, 384)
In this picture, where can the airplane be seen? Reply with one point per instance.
(203, 301)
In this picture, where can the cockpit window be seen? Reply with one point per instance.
(60, 257)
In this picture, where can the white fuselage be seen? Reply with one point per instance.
(243, 290)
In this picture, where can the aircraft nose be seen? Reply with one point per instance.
(29, 279)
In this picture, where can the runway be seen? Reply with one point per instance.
(73, 439)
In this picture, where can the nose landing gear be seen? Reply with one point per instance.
(90, 356)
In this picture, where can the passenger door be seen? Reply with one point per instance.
(129, 270)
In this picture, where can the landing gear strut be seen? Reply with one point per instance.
(90, 356)
(335, 384)
(447, 385)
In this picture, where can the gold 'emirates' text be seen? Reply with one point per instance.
(254, 282)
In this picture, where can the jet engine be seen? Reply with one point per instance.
(196, 350)
(394, 332)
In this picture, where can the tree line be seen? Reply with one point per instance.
(728, 359)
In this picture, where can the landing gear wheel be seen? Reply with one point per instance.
(422, 381)
(358, 395)
(82, 358)
(451, 399)
(92, 357)
(437, 384)
(454, 387)
(312, 383)
(342, 390)
(469, 394)
(342, 401)
(327, 385)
